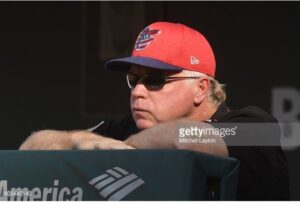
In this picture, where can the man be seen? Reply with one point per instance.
(171, 77)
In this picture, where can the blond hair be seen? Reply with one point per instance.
(217, 93)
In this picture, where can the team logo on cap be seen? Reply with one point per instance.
(145, 38)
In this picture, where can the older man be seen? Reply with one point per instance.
(171, 76)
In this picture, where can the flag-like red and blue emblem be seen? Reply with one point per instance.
(145, 38)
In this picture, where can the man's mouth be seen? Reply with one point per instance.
(139, 113)
(136, 109)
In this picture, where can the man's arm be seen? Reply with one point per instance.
(166, 136)
(65, 140)
(161, 136)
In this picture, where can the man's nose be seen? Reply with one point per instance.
(139, 91)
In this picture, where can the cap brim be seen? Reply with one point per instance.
(123, 64)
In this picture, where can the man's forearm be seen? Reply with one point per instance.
(65, 140)
(48, 140)
(161, 136)
(166, 136)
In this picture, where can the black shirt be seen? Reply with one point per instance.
(263, 169)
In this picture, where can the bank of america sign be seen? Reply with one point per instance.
(116, 183)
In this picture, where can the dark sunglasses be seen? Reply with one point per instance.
(153, 81)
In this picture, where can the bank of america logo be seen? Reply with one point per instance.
(116, 183)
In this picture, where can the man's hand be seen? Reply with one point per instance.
(65, 140)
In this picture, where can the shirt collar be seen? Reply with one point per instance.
(221, 111)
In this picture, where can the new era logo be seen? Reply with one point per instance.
(116, 183)
(194, 60)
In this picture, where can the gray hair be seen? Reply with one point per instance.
(217, 93)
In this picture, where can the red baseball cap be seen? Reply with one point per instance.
(169, 46)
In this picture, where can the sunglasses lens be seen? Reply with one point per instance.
(150, 81)
(154, 81)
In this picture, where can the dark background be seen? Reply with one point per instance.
(51, 76)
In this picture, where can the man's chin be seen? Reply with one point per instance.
(143, 124)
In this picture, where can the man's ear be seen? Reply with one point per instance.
(202, 86)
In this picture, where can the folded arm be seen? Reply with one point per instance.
(167, 136)
(162, 136)
(65, 140)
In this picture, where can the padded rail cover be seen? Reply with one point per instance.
(116, 175)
